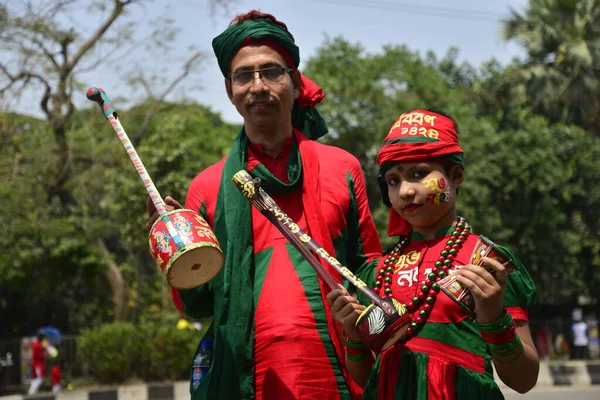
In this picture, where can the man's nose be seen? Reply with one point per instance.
(257, 82)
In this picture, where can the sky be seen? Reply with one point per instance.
(473, 26)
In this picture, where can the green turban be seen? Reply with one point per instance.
(305, 116)
(229, 42)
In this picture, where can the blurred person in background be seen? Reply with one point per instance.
(38, 360)
(57, 376)
(580, 335)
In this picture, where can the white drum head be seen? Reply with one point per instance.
(195, 267)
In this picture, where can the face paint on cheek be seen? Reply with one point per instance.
(440, 189)
(442, 183)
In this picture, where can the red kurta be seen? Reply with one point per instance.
(293, 352)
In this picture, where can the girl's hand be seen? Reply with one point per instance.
(487, 289)
(345, 310)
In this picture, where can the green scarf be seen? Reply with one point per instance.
(234, 311)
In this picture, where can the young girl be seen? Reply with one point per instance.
(445, 354)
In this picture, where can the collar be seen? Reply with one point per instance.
(257, 149)
(446, 230)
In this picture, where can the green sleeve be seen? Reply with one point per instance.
(520, 288)
(197, 302)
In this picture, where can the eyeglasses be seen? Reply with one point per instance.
(271, 74)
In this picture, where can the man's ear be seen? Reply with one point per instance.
(228, 89)
(297, 82)
(457, 175)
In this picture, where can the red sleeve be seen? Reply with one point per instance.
(198, 198)
(195, 197)
(193, 201)
(368, 236)
(177, 302)
(518, 313)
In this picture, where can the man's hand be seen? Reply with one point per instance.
(170, 205)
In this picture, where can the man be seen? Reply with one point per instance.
(580, 335)
(273, 336)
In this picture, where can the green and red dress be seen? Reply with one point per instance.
(447, 359)
(293, 350)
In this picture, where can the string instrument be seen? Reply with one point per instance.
(181, 242)
(383, 322)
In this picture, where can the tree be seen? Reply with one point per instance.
(562, 70)
(51, 268)
(48, 269)
(39, 49)
(366, 93)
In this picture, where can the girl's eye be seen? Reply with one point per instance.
(392, 181)
(419, 174)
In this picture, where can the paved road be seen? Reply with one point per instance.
(557, 393)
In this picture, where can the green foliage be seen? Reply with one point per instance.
(50, 265)
(113, 351)
(366, 93)
(46, 265)
(561, 73)
(153, 351)
(520, 190)
(59, 230)
(171, 352)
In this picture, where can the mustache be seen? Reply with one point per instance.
(260, 103)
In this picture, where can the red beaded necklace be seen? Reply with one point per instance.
(429, 290)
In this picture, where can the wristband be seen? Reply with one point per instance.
(502, 339)
(358, 357)
(352, 344)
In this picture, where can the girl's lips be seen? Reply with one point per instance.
(411, 207)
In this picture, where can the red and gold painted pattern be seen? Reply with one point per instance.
(483, 248)
(193, 231)
(440, 189)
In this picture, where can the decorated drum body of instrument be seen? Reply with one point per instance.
(457, 292)
(380, 330)
(461, 295)
(185, 248)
